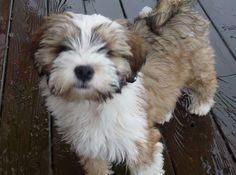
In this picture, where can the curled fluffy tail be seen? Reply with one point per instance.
(164, 11)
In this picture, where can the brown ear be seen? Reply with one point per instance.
(36, 37)
(139, 50)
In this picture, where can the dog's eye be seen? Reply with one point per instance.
(63, 48)
(102, 49)
(110, 52)
(106, 50)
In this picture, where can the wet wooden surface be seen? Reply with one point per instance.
(29, 143)
(223, 14)
(5, 12)
(224, 33)
(24, 125)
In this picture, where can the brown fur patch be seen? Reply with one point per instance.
(147, 150)
(181, 56)
(139, 50)
(163, 12)
(50, 38)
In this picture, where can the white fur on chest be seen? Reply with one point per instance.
(107, 131)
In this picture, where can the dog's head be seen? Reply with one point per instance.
(87, 56)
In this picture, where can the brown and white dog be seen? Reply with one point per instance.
(105, 100)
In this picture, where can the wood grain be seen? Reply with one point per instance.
(223, 14)
(225, 107)
(195, 145)
(108, 8)
(5, 23)
(23, 130)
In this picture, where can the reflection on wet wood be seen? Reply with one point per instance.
(223, 14)
(109, 8)
(195, 144)
(24, 125)
(5, 11)
(225, 107)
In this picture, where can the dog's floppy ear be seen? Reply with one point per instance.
(139, 51)
(36, 37)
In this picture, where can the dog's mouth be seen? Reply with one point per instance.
(82, 86)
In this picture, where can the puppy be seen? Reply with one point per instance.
(105, 100)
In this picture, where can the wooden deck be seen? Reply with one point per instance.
(29, 144)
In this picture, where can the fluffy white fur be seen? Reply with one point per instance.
(199, 108)
(98, 131)
(105, 131)
(145, 12)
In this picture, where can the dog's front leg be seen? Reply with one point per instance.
(151, 162)
(96, 167)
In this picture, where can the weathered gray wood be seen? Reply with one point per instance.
(109, 8)
(223, 15)
(225, 107)
(24, 124)
(132, 8)
(59, 6)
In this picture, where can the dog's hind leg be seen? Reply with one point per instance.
(96, 167)
(204, 83)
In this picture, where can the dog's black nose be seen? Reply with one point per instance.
(84, 73)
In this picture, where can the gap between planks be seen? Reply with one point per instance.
(217, 30)
(5, 55)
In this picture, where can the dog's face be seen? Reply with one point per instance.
(87, 56)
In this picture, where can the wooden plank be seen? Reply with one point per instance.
(223, 13)
(5, 22)
(195, 143)
(132, 8)
(59, 6)
(225, 107)
(109, 8)
(65, 161)
(168, 165)
(24, 125)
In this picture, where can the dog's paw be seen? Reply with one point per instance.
(145, 12)
(166, 118)
(200, 109)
